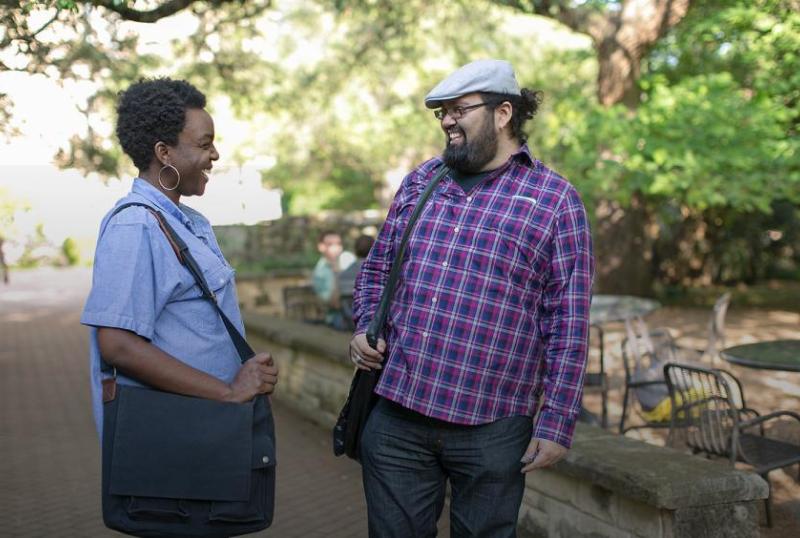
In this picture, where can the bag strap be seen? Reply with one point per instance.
(187, 260)
(375, 327)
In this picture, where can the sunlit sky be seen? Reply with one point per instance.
(69, 204)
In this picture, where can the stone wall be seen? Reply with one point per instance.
(608, 486)
(611, 485)
(291, 242)
(263, 293)
(315, 372)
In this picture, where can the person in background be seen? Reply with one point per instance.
(333, 260)
(347, 279)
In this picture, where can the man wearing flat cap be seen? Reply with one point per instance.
(485, 346)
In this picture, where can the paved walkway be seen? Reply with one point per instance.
(49, 455)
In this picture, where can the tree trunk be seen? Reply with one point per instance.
(617, 74)
(623, 250)
(622, 33)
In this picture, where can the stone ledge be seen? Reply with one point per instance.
(608, 486)
(273, 273)
(316, 339)
(657, 476)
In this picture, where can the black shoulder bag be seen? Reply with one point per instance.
(176, 465)
(362, 398)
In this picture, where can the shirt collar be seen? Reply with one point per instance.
(144, 189)
(524, 154)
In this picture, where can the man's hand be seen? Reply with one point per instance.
(256, 376)
(542, 453)
(363, 356)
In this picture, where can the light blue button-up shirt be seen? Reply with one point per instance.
(139, 285)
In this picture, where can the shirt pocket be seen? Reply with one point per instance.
(216, 273)
(519, 233)
(198, 313)
(218, 278)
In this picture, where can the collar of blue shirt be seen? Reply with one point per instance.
(143, 188)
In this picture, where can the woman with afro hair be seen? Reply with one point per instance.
(147, 316)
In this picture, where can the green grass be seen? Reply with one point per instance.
(773, 294)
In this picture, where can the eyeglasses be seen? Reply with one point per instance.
(457, 112)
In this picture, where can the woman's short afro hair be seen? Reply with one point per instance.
(154, 110)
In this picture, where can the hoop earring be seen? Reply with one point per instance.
(160, 182)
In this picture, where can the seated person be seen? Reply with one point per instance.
(324, 278)
(347, 279)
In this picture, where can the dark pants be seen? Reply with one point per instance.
(407, 459)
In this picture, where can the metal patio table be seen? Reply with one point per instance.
(770, 355)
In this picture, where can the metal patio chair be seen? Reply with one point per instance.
(703, 404)
(596, 381)
(716, 328)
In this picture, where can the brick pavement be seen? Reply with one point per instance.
(49, 455)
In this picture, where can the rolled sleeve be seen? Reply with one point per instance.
(565, 323)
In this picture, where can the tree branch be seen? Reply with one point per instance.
(579, 19)
(45, 25)
(164, 10)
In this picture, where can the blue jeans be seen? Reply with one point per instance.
(408, 458)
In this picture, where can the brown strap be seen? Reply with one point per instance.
(172, 243)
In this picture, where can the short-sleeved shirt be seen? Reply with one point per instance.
(139, 285)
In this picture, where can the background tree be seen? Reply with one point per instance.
(677, 122)
(694, 178)
(622, 34)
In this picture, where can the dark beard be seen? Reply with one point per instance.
(471, 156)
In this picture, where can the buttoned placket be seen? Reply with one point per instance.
(460, 203)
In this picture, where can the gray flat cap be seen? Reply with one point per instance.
(495, 76)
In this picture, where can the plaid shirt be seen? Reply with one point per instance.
(490, 317)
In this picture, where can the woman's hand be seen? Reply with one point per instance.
(258, 375)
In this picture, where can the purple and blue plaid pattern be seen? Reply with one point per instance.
(491, 312)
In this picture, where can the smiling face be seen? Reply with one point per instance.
(195, 152)
(471, 141)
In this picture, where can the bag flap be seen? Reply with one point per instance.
(263, 434)
(172, 446)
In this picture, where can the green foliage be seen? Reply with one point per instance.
(340, 96)
(71, 251)
(9, 206)
(712, 151)
(757, 42)
(773, 294)
(700, 142)
(332, 93)
(38, 251)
